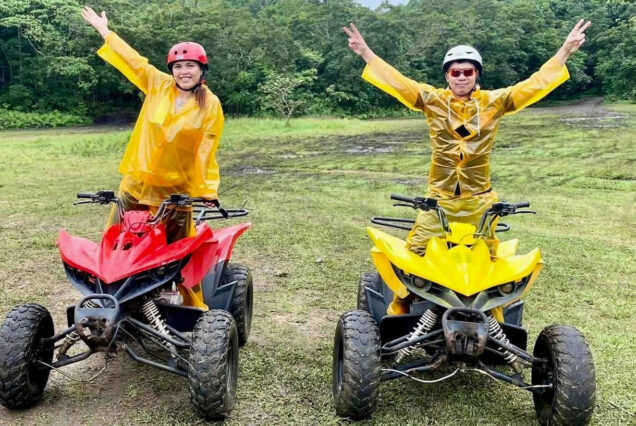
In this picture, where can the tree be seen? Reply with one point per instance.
(281, 92)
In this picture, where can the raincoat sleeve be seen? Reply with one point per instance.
(131, 64)
(386, 78)
(206, 170)
(551, 75)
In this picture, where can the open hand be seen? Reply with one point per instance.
(576, 37)
(100, 23)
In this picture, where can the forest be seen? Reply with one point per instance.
(263, 50)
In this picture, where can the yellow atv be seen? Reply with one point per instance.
(458, 308)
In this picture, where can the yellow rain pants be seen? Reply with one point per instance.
(168, 152)
(461, 131)
(465, 210)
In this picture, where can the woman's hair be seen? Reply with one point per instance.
(200, 95)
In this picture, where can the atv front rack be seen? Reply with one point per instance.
(203, 213)
(402, 223)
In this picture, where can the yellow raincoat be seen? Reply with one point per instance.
(168, 152)
(462, 134)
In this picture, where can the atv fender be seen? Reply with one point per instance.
(214, 251)
(207, 263)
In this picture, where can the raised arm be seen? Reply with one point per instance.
(552, 74)
(384, 76)
(119, 54)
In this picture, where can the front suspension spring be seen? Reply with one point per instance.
(495, 331)
(423, 326)
(72, 337)
(154, 319)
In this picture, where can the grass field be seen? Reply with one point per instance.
(311, 189)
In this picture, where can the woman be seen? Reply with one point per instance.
(172, 149)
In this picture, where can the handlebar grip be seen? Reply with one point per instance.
(398, 197)
(85, 195)
(522, 204)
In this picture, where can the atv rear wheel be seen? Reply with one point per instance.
(22, 377)
(241, 306)
(570, 370)
(356, 365)
(213, 369)
(370, 280)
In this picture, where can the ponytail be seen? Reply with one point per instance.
(200, 95)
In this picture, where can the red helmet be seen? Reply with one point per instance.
(187, 51)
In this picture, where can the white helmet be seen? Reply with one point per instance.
(462, 53)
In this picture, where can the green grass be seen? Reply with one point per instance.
(311, 188)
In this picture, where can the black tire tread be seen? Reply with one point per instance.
(371, 280)
(575, 378)
(211, 341)
(240, 273)
(361, 365)
(17, 338)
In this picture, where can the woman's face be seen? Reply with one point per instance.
(186, 73)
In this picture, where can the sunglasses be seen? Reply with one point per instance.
(467, 72)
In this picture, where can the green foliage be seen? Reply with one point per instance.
(284, 94)
(48, 61)
(22, 120)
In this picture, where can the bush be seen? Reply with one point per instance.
(23, 120)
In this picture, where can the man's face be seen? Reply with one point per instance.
(459, 82)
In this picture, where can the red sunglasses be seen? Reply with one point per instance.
(467, 72)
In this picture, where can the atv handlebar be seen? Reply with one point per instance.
(174, 200)
(421, 203)
(499, 209)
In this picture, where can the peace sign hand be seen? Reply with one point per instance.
(357, 43)
(576, 37)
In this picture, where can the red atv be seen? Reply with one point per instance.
(180, 307)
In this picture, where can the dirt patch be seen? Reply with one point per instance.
(377, 143)
(587, 113)
(249, 171)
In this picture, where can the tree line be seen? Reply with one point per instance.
(291, 56)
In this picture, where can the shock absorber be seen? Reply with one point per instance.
(495, 331)
(154, 319)
(423, 326)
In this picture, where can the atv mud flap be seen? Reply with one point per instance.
(215, 294)
(466, 334)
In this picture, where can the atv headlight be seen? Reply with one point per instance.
(506, 289)
(420, 283)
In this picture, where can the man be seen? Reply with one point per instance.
(463, 121)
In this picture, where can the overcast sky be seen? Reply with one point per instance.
(375, 3)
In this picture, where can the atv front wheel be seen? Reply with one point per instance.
(213, 369)
(569, 368)
(22, 376)
(356, 365)
(370, 280)
(242, 303)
